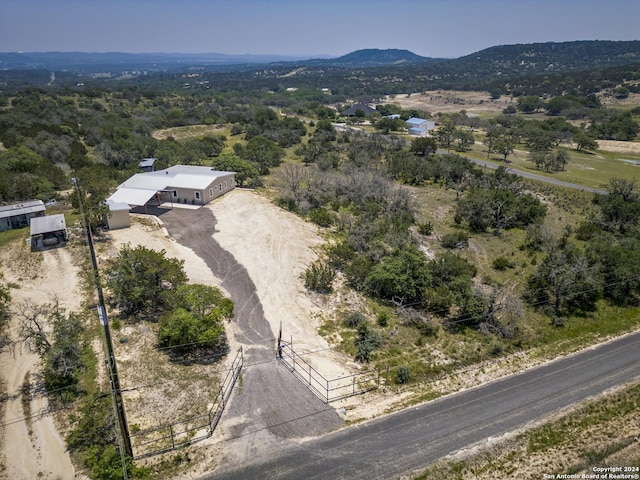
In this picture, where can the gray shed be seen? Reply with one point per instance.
(19, 215)
(48, 231)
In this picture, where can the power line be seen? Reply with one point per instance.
(110, 361)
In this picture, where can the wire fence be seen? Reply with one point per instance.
(328, 390)
(171, 436)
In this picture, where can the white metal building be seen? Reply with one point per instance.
(180, 184)
(419, 126)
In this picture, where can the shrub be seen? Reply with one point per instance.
(368, 340)
(425, 228)
(354, 319)
(403, 375)
(321, 217)
(455, 240)
(502, 263)
(288, 203)
(383, 319)
(319, 277)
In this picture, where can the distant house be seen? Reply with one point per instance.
(180, 184)
(48, 231)
(146, 164)
(419, 126)
(19, 215)
(351, 111)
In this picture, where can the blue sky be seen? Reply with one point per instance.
(434, 28)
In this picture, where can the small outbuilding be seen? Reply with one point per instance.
(146, 164)
(18, 215)
(118, 215)
(48, 231)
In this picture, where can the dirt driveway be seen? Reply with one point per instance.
(32, 445)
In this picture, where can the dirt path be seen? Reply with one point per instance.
(270, 405)
(33, 448)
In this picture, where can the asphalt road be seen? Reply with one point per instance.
(403, 442)
(540, 178)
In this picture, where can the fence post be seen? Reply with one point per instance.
(327, 383)
(354, 384)
(173, 444)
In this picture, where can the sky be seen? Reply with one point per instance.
(432, 28)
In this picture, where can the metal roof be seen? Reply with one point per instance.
(23, 208)
(140, 188)
(116, 206)
(147, 162)
(48, 223)
(416, 120)
(131, 196)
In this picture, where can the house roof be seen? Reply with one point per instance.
(140, 188)
(416, 120)
(48, 223)
(32, 206)
(358, 106)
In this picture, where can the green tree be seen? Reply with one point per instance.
(402, 276)
(197, 320)
(564, 283)
(245, 170)
(262, 152)
(141, 279)
(529, 104)
(386, 125)
(423, 146)
(584, 141)
(56, 337)
(463, 139)
(445, 134)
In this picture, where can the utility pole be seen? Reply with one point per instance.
(116, 393)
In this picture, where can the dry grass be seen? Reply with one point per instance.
(188, 132)
(450, 101)
(159, 391)
(601, 432)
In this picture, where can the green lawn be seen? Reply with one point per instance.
(589, 169)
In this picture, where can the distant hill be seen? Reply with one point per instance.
(375, 57)
(548, 57)
(382, 71)
(116, 61)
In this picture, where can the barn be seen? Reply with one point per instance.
(48, 231)
(419, 126)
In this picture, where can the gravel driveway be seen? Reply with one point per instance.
(269, 405)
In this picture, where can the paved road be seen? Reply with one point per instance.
(403, 442)
(540, 178)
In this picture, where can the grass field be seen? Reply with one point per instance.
(589, 169)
